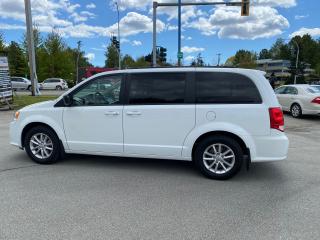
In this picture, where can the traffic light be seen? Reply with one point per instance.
(163, 55)
(245, 7)
(115, 42)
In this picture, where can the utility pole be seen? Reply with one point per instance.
(78, 57)
(219, 55)
(31, 51)
(179, 34)
(119, 52)
(244, 4)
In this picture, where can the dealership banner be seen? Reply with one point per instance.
(5, 83)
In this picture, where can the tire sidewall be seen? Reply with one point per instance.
(233, 144)
(300, 110)
(55, 140)
(59, 88)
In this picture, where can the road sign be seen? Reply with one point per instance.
(180, 55)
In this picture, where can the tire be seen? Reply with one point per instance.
(36, 137)
(58, 88)
(217, 168)
(29, 88)
(296, 110)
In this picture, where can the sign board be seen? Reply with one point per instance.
(180, 55)
(5, 83)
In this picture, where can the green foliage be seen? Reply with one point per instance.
(2, 43)
(18, 64)
(112, 56)
(54, 58)
(245, 59)
(265, 54)
(127, 61)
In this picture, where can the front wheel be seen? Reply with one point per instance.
(58, 88)
(218, 157)
(42, 145)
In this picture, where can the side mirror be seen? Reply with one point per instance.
(67, 100)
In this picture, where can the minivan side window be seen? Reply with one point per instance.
(225, 88)
(157, 88)
(102, 91)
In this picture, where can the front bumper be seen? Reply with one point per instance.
(15, 134)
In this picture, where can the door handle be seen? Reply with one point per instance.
(111, 113)
(133, 113)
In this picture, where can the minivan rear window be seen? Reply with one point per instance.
(157, 88)
(225, 88)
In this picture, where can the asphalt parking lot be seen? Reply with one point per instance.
(85, 197)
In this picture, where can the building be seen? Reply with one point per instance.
(280, 68)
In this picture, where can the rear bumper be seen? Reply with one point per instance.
(270, 148)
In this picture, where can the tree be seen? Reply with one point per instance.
(198, 62)
(112, 56)
(18, 64)
(2, 43)
(141, 62)
(280, 50)
(127, 61)
(245, 59)
(265, 54)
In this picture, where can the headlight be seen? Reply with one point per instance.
(16, 115)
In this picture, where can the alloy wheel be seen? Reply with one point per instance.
(218, 158)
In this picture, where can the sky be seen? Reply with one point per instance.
(209, 30)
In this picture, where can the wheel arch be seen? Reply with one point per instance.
(36, 124)
(241, 142)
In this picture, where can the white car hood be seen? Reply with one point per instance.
(45, 104)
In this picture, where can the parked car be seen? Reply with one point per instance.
(217, 118)
(20, 83)
(299, 99)
(54, 84)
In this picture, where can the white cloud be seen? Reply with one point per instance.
(5, 26)
(187, 49)
(275, 3)
(298, 17)
(134, 23)
(90, 56)
(136, 43)
(91, 6)
(314, 32)
(189, 58)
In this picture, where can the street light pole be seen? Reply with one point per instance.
(297, 60)
(31, 51)
(119, 52)
(154, 32)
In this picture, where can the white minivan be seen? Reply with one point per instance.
(216, 117)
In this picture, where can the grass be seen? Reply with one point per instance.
(25, 100)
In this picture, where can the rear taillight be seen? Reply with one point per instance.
(276, 119)
(316, 100)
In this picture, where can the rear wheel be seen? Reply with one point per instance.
(42, 145)
(296, 111)
(218, 157)
(29, 88)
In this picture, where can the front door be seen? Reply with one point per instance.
(157, 118)
(94, 121)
